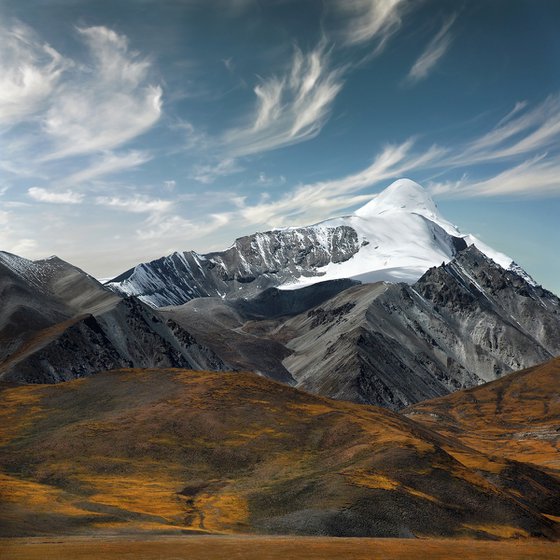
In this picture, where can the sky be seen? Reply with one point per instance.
(133, 128)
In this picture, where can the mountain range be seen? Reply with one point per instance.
(396, 237)
(58, 323)
(357, 377)
(290, 304)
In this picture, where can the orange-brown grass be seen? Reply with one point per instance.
(162, 451)
(278, 548)
(516, 417)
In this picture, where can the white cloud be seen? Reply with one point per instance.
(106, 164)
(368, 20)
(29, 73)
(106, 104)
(534, 177)
(83, 107)
(209, 173)
(264, 180)
(523, 132)
(433, 53)
(137, 204)
(312, 201)
(175, 228)
(290, 108)
(519, 106)
(54, 197)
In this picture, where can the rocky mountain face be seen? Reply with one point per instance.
(463, 323)
(252, 264)
(58, 323)
(396, 237)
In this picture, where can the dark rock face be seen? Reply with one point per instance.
(392, 345)
(57, 323)
(252, 264)
(460, 325)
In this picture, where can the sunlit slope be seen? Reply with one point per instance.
(176, 450)
(517, 416)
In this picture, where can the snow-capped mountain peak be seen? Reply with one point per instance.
(396, 237)
(404, 195)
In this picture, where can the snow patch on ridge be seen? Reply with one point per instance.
(403, 235)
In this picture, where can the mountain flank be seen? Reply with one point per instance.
(461, 324)
(58, 323)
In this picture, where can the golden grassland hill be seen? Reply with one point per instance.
(516, 417)
(178, 451)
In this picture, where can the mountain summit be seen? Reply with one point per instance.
(403, 195)
(396, 237)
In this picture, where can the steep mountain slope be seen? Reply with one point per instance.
(517, 417)
(460, 325)
(237, 330)
(58, 323)
(174, 450)
(396, 237)
(38, 294)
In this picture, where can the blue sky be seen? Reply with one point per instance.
(133, 128)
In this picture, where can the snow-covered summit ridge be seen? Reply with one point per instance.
(404, 195)
(403, 234)
(396, 237)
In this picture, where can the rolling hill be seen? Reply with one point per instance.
(164, 451)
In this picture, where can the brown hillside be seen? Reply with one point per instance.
(176, 450)
(516, 417)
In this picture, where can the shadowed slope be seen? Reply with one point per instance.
(59, 323)
(175, 450)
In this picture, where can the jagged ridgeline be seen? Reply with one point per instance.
(357, 308)
(396, 237)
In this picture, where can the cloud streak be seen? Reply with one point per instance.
(106, 104)
(207, 174)
(433, 53)
(523, 132)
(30, 71)
(290, 108)
(43, 195)
(137, 204)
(371, 20)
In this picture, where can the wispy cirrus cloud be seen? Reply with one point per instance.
(370, 20)
(136, 204)
(56, 110)
(527, 137)
(533, 177)
(40, 194)
(30, 71)
(104, 104)
(289, 108)
(209, 173)
(433, 53)
(107, 164)
(524, 131)
(172, 227)
(313, 201)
